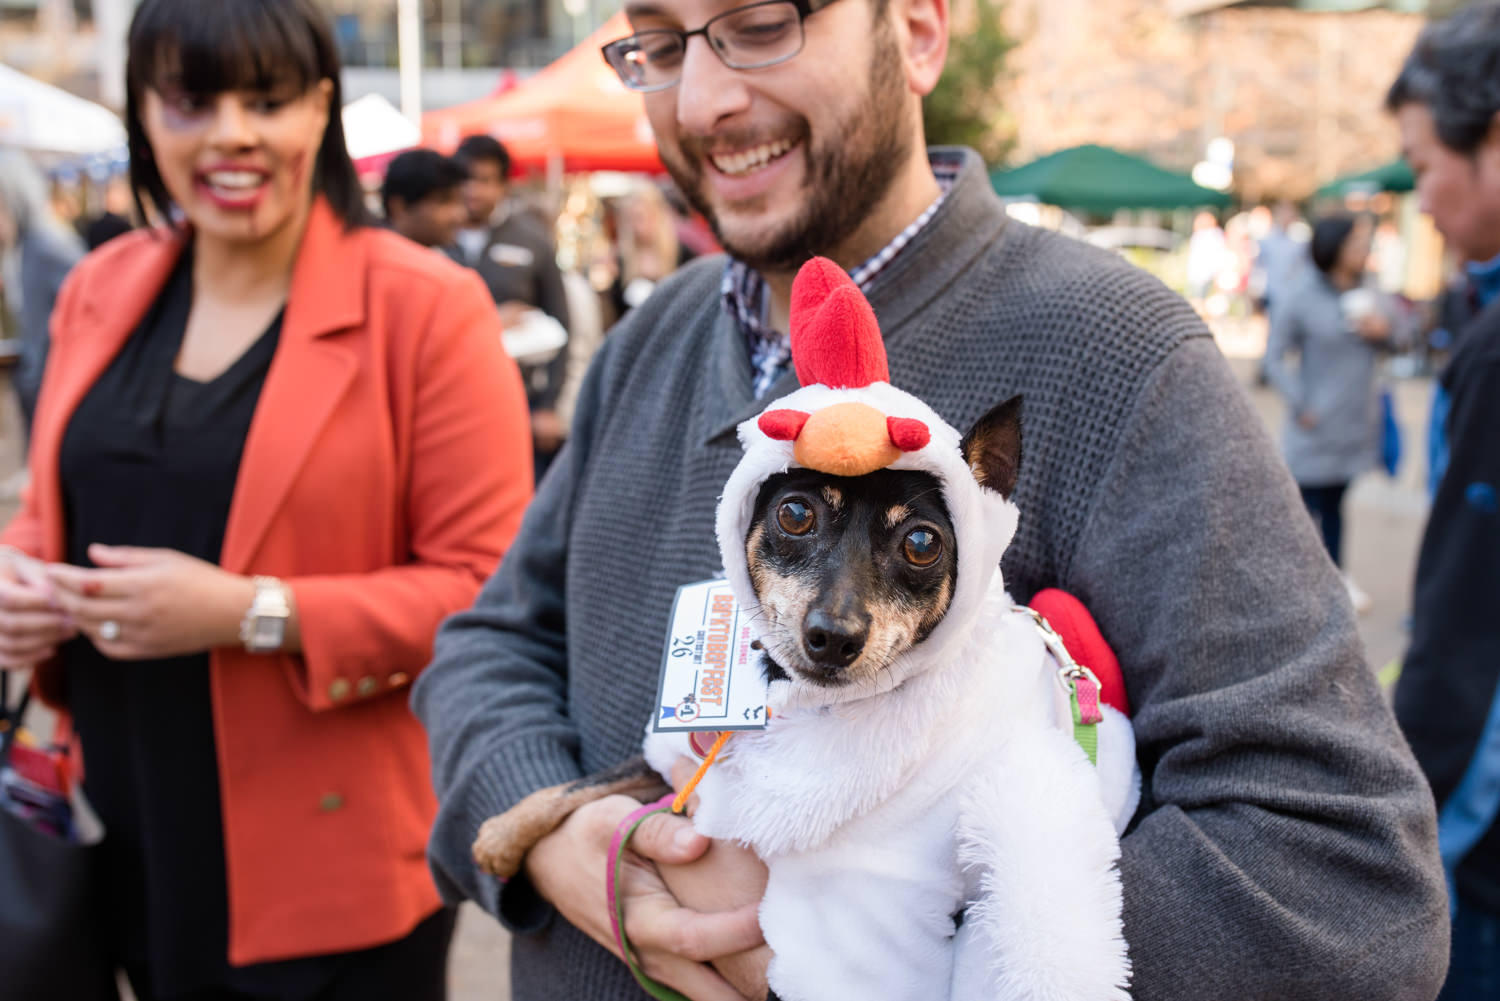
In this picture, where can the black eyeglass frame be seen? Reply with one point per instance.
(804, 8)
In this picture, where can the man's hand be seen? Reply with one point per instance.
(672, 943)
(727, 875)
(162, 602)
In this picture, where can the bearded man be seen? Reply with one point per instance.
(1285, 846)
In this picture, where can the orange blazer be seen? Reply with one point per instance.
(385, 471)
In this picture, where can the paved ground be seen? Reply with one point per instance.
(1383, 525)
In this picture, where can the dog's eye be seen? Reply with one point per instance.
(922, 547)
(795, 517)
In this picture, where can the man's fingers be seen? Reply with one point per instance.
(665, 837)
(694, 980)
(697, 935)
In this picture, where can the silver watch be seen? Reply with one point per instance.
(263, 629)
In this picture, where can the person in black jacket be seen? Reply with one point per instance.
(1447, 104)
(514, 254)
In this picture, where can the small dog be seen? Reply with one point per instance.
(930, 826)
(849, 571)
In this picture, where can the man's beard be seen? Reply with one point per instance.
(849, 172)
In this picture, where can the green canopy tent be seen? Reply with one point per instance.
(1100, 180)
(1393, 176)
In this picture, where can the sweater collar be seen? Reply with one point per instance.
(966, 223)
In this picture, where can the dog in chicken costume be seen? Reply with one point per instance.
(936, 828)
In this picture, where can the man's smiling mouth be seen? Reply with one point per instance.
(739, 164)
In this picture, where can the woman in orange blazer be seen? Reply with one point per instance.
(275, 447)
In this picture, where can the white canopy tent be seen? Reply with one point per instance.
(40, 118)
(373, 127)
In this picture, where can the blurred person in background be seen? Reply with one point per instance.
(646, 246)
(1278, 255)
(275, 447)
(1446, 101)
(1207, 256)
(1336, 323)
(422, 195)
(36, 253)
(113, 219)
(515, 257)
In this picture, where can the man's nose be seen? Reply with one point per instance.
(708, 91)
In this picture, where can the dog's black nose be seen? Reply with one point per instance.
(834, 641)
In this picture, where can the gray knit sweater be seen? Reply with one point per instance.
(1286, 845)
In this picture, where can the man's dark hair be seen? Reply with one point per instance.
(1328, 238)
(1454, 70)
(203, 49)
(418, 173)
(482, 147)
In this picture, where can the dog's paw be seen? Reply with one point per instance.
(501, 845)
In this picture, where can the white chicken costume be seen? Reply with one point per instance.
(950, 784)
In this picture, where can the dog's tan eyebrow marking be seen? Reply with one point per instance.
(834, 497)
(896, 514)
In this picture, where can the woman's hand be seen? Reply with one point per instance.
(672, 943)
(32, 622)
(160, 603)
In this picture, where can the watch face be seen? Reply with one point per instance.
(266, 631)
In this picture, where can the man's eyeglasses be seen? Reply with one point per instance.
(745, 38)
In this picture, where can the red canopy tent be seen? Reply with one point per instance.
(574, 115)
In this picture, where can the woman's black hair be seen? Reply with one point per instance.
(1454, 70)
(207, 48)
(1328, 238)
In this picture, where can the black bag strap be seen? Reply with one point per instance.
(12, 717)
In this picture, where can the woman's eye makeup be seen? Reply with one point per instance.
(182, 110)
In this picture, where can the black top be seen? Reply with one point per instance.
(150, 459)
(1450, 678)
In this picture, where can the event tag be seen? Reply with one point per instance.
(711, 678)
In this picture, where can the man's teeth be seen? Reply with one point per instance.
(235, 180)
(750, 159)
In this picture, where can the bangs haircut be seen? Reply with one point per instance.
(282, 48)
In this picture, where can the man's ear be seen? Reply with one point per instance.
(992, 448)
(922, 30)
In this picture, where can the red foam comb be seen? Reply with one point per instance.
(782, 425)
(835, 339)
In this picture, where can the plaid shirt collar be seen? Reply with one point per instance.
(744, 290)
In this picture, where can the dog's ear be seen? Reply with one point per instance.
(992, 448)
